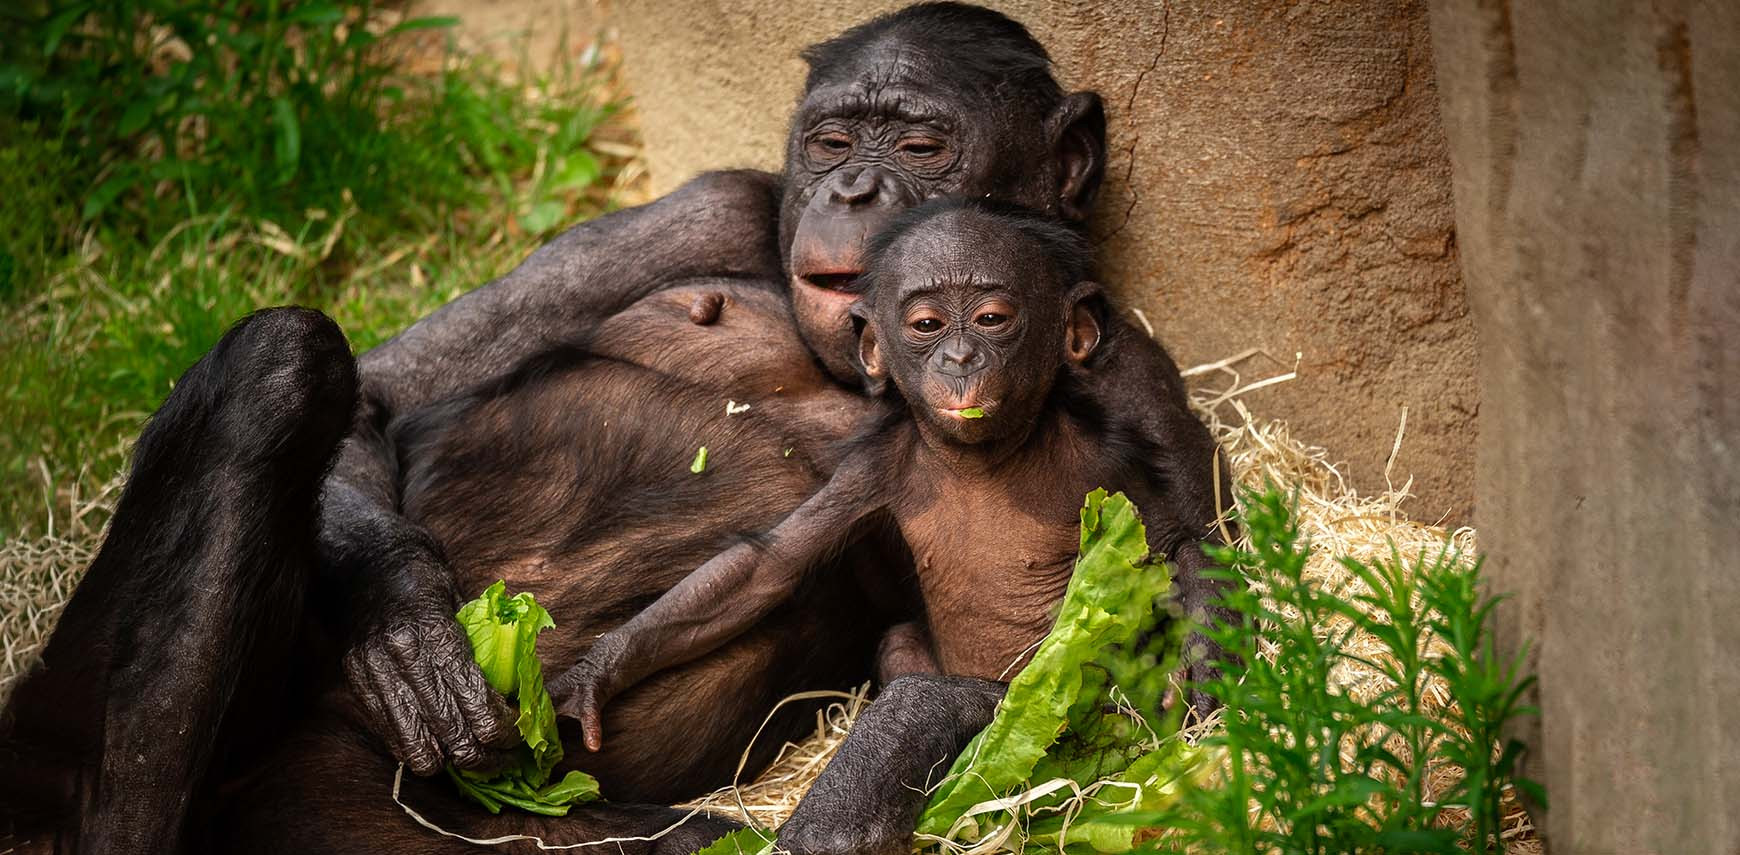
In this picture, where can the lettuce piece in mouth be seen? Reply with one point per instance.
(972, 413)
(504, 637)
(1084, 712)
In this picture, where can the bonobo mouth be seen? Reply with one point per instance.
(966, 413)
(843, 282)
(967, 408)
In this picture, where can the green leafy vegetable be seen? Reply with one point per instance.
(743, 841)
(972, 413)
(1082, 712)
(504, 638)
(700, 464)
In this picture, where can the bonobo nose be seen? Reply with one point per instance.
(854, 188)
(959, 359)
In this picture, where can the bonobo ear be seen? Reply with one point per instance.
(1078, 139)
(1086, 303)
(869, 352)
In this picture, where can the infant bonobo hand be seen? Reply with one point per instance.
(1201, 658)
(412, 668)
(583, 690)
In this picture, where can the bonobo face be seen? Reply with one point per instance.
(896, 124)
(972, 322)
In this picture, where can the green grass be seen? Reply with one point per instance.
(132, 237)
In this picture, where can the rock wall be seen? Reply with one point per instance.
(1596, 148)
(1277, 179)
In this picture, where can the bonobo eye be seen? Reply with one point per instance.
(991, 319)
(829, 146)
(927, 325)
(922, 151)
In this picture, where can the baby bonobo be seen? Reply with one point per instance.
(987, 322)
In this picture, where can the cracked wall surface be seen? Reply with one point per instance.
(1277, 178)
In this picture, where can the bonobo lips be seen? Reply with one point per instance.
(845, 282)
(956, 407)
(833, 287)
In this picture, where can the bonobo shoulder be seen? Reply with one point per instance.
(1130, 364)
(725, 214)
(734, 187)
(733, 204)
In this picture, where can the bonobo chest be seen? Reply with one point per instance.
(735, 337)
(994, 552)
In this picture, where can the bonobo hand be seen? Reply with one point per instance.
(426, 697)
(583, 690)
(1199, 668)
(1201, 657)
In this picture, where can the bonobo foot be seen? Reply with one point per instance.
(868, 799)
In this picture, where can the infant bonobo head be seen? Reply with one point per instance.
(973, 309)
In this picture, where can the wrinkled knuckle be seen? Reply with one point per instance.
(424, 761)
(497, 732)
(401, 640)
(467, 754)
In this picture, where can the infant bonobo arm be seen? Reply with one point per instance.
(407, 659)
(721, 599)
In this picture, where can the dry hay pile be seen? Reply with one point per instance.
(36, 576)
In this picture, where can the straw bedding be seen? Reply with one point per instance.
(36, 576)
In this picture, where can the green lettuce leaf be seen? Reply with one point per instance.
(1084, 711)
(504, 638)
(743, 841)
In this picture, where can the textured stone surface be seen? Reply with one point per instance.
(1597, 175)
(1278, 179)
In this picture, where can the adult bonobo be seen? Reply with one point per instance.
(242, 661)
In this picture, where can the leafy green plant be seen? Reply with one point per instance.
(1313, 768)
(504, 640)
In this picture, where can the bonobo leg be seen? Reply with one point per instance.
(867, 801)
(168, 666)
(905, 649)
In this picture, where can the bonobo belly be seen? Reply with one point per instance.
(991, 573)
(576, 478)
(580, 484)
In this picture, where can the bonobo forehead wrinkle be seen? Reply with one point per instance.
(960, 248)
(892, 79)
(858, 99)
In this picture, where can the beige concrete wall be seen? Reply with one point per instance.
(1278, 179)
(1597, 160)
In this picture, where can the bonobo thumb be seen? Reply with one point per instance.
(576, 696)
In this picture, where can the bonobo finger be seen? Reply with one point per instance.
(591, 723)
(362, 686)
(436, 703)
(576, 694)
(416, 746)
(484, 711)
